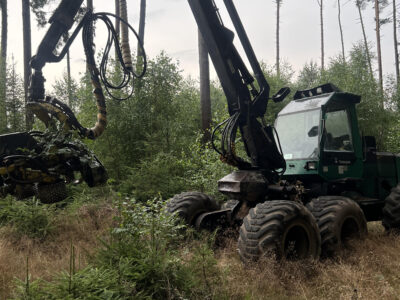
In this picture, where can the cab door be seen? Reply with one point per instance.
(341, 153)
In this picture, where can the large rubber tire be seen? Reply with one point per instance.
(282, 228)
(190, 205)
(51, 193)
(391, 211)
(339, 219)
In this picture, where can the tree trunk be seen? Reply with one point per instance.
(358, 4)
(142, 23)
(378, 44)
(89, 4)
(3, 65)
(396, 48)
(341, 30)
(69, 80)
(321, 15)
(278, 6)
(205, 100)
(117, 25)
(26, 22)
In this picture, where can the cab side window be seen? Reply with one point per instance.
(337, 131)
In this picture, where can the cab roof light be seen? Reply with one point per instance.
(319, 90)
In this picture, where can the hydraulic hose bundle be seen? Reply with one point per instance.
(46, 107)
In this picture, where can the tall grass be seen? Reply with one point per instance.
(147, 256)
(47, 243)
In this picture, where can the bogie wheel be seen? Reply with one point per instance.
(391, 211)
(339, 220)
(282, 228)
(190, 205)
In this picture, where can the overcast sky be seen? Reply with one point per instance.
(170, 26)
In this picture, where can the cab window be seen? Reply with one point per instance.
(337, 131)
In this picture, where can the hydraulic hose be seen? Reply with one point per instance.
(126, 50)
(45, 107)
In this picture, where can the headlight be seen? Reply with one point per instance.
(311, 165)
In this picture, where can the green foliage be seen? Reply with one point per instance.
(166, 174)
(67, 92)
(15, 105)
(89, 283)
(204, 168)
(160, 117)
(161, 175)
(144, 259)
(276, 83)
(353, 76)
(309, 77)
(38, 9)
(29, 218)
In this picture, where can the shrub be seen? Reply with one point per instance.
(29, 217)
(163, 175)
(167, 174)
(147, 257)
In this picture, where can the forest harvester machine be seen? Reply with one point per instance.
(311, 182)
(308, 183)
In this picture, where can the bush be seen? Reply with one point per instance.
(163, 175)
(147, 257)
(29, 218)
(167, 174)
(204, 168)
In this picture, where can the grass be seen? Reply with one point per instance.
(368, 269)
(80, 226)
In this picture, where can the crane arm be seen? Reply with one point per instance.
(246, 103)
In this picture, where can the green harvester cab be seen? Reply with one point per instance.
(323, 148)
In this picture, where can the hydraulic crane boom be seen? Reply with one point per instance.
(246, 103)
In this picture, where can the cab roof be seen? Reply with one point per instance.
(324, 95)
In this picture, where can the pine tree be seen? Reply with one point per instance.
(278, 9)
(379, 5)
(361, 4)
(65, 89)
(3, 65)
(26, 29)
(321, 14)
(341, 29)
(395, 41)
(15, 103)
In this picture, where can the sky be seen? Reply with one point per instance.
(170, 27)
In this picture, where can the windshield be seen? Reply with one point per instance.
(298, 134)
